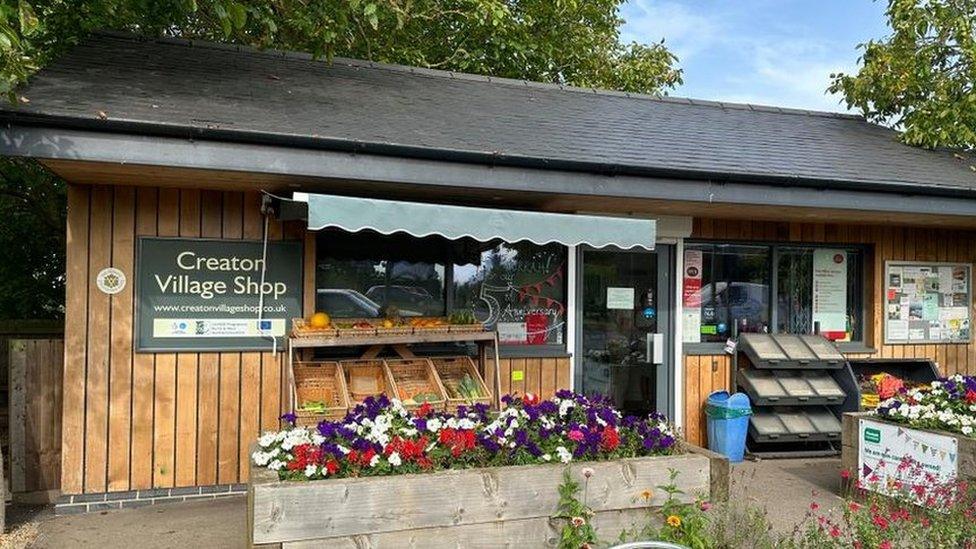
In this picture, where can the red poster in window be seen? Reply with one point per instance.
(536, 327)
(691, 295)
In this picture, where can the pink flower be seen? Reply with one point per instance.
(576, 435)
(705, 506)
(845, 474)
(578, 521)
(814, 506)
(854, 506)
(884, 545)
(835, 531)
(587, 472)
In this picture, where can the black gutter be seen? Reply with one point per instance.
(207, 133)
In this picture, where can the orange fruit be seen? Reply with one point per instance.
(320, 320)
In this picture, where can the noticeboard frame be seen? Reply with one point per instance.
(885, 286)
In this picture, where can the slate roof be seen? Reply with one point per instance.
(184, 88)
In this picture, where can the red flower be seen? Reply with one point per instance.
(424, 410)
(835, 531)
(458, 440)
(610, 439)
(970, 396)
(845, 474)
(884, 545)
(854, 506)
(530, 399)
(332, 466)
(880, 521)
(814, 506)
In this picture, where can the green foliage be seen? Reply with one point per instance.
(565, 41)
(578, 531)
(32, 237)
(921, 77)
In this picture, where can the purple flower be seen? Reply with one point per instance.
(288, 418)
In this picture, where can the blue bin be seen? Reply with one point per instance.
(728, 422)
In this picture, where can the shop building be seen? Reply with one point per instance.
(760, 219)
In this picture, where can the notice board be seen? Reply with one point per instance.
(198, 294)
(927, 302)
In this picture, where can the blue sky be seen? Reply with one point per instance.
(770, 52)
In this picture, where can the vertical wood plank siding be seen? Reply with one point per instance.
(142, 420)
(704, 374)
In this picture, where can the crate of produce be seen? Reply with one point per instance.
(463, 321)
(354, 327)
(415, 382)
(429, 324)
(366, 378)
(319, 392)
(461, 380)
(301, 327)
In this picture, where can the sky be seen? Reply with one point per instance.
(768, 52)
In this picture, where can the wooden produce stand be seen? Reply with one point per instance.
(374, 342)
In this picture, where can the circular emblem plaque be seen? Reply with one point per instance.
(110, 280)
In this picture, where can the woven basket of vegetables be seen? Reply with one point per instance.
(366, 378)
(416, 383)
(464, 322)
(461, 381)
(320, 392)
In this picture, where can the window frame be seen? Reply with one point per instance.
(774, 248)
(505, 350)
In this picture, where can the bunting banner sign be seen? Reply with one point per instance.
(884, 447)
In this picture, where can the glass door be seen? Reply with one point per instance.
(624, 328)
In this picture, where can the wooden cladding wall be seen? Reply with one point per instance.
(704, 374)
(143, 420)
(136, 420)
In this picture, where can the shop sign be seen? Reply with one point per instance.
(205, 294)
(620, 298)
(883, 446)
(830, 292)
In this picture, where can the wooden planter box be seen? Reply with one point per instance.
(850, 444)
(497, 507)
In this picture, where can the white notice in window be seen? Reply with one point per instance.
(620, 298)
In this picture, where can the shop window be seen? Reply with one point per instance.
(520, 288)
(772, 288)
(732, 288)
(820, 285)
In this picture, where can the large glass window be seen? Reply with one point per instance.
(731, 285)
(520, 288)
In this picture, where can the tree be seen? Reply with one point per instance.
(921, 77)
(566, 41)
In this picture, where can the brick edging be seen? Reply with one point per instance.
(102, 501)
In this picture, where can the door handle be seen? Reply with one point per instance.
(654, 348)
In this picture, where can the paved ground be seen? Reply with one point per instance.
(784, 487)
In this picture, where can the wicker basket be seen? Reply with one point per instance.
(366, 378)
(300, 328)
(443, 328)
(319, 382)
(415, 376)
(451, 370)
(394, 330)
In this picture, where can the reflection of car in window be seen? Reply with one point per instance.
(345, 303)
(400, 295)
(734, 301)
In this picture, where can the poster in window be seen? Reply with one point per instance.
(933, 302)
(691, 297)
(830, 292)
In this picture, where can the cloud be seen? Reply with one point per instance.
(685, 31)
(750, 51)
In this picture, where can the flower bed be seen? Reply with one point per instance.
(948, 404)
(386, 476)
(381, 437)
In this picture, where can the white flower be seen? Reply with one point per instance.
(267, 439)
(373, 462)
(343, 449)
(433, 425)
(564, 455)
(261, 458)
(408, 431)
(565, 406)
(276, 464)
(967, 430)
(546, 457)
(394, 459)
(310, 470)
